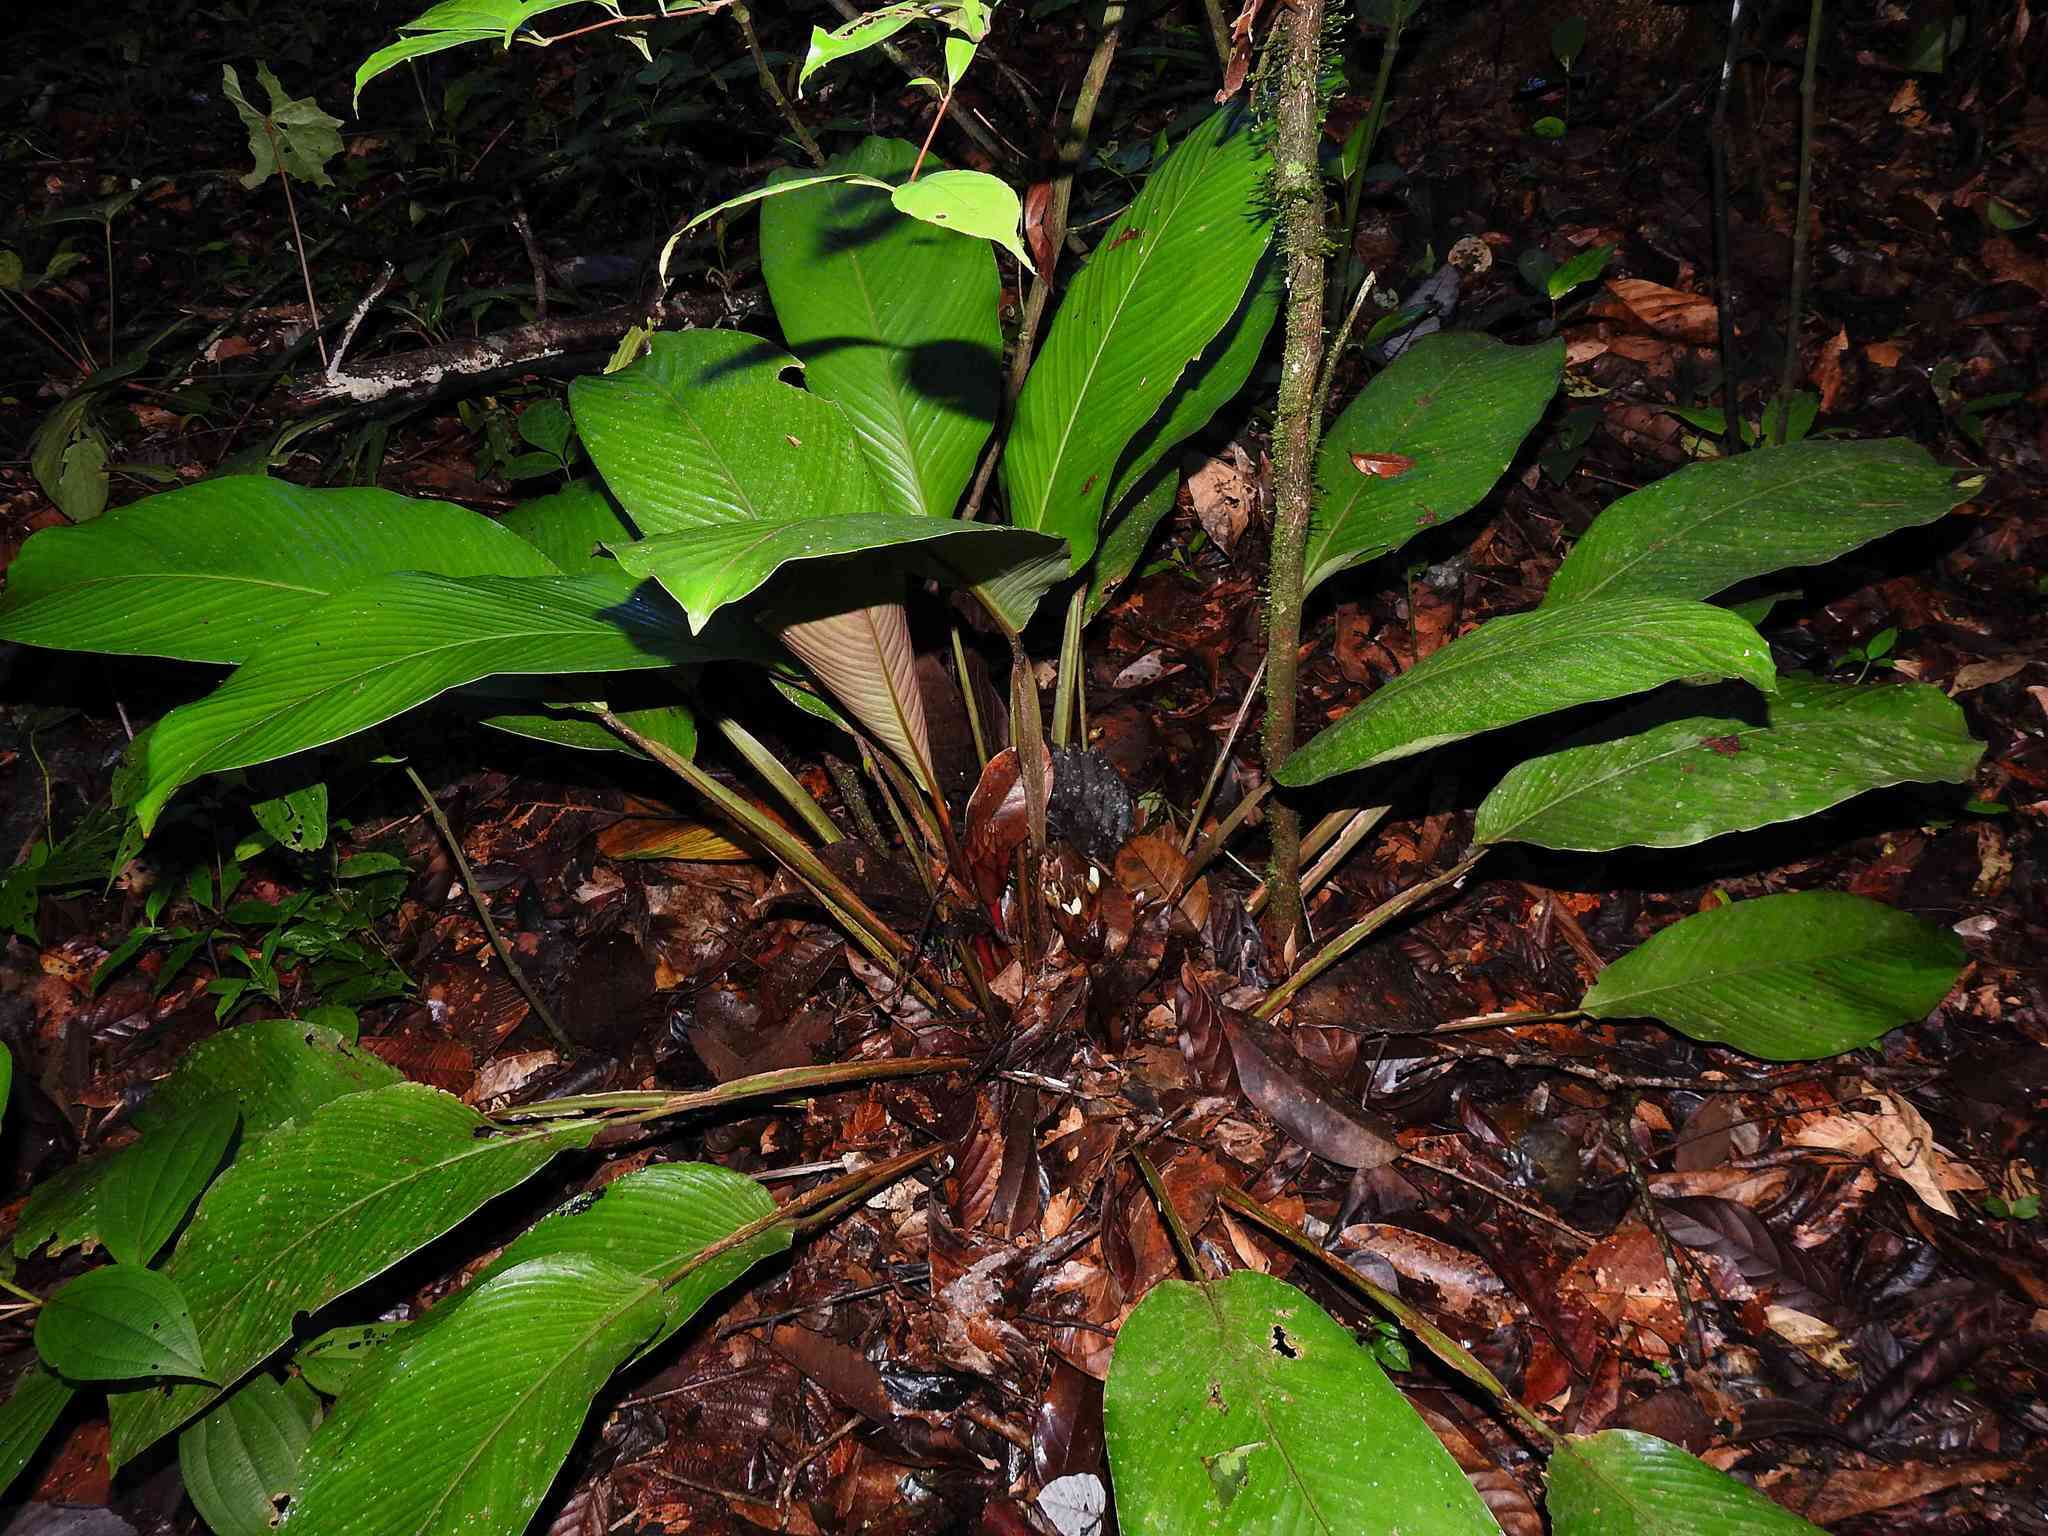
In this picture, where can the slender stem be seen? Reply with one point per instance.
(1222, 758)
(1183, 1245)
(1073, 149)
(925, 148)
(903, 61)
(108, 226)
(855, 799)
(291, 209)
(967, 698)
(1340, 946)
(1724, 286)
(1214, 843)
(641, 1106)
(1354, 189)
(622, 21)
(1219, 34)
(1801, 222)
(1339, 833)
(779, 778)
(483, 913)
(1066, 695)
(771, 89)
(1337, 345)
(1298, 189)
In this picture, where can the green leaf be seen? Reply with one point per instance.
(217, 571)
(294, 138)
(1694, 779)
(6, 1080)
(573, 528)
(391, 645)
(732, 473)
(863, 654)
(1240, 1405)
(118, 1324)
(1622, 1482)
(673, 725)
(1169, 275)
(970, 203)
(1568, 39)
(545, 425)
(240, 1460)
(1124, 545)
(81, 490)
(145, 1196)
(464, 1427)
(454, 23)
(1710, 525)
(297, 822)
(1459, 404)
(334, 1359)
(315, 1209)
(32, 1409)
(894, 323)
(649, 1223)
(1585, 265)
(1529, 664)
(1790, 977)
(969, 20)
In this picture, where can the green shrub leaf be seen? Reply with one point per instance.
(1790, 977)
(1529, 664)
(1459, 404)
(464, 1428)
(37, 1402)
(452, 24)
(573, 528)
(1124, 544)
(971, 203)
(1621, 1482)
(240, 1458)
(1168, 277)
(315, 1209)
(1240, 1405)
(217, 571)
(393, 644)
(146, 1196)
(1702, 530)
(118, 1324)
(330, 1362)
(895, 322)
(1690, 780)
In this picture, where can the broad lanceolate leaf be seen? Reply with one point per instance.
(865, 657)
(241, 1458)
(732, 473)
(1711, 525)
(1165, 280)
(1694, 779)
(1240, 1405)
(673, 725)
(395, 643)
(272, 1071)
(573, 528)
(1621, 1482)
(145, 1198)
(895, 322)
(315, 1209)
(1790, 977)
(465, 1428)
(1459, 404)
(217, 571)
(454, 23)
(38, 1400)
(117, 1324)
(1530, 664)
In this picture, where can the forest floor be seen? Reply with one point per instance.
(1831, 1278)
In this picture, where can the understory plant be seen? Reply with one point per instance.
(769, 510)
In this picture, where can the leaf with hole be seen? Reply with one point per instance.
(120, 1323)
(1167, 278)
(1531, 664)
(219, 570)
(1711, 525)
(1693, 779)
(1791, 977)
(1622, 1482)
(1458, 404)
(315, 1209)
(1240, 1405)
(240, 1459)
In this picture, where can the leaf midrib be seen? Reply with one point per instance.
(1257, 1371)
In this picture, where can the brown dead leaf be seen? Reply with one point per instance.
(1898, 1141)
(1662, 311)
(1225, 492)
(1827, 370)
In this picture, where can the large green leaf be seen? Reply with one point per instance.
(117, 1324)
(1622, 1482)
(219, 570)
(241, 1457)
(863, 655)
(146, 1196)
(895, 322)
(395, 643)
(315, 1209)
(1529, 664)
(38, 1400)
(272, 1071)
(1791, 977)
(1459, 404)
(732, 472)
(1168, 277)
(1240, 1405)
(573, 528)
(1711, 525)
(464, 1430)
(1690, 780)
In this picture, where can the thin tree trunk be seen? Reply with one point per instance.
(1298, 188)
